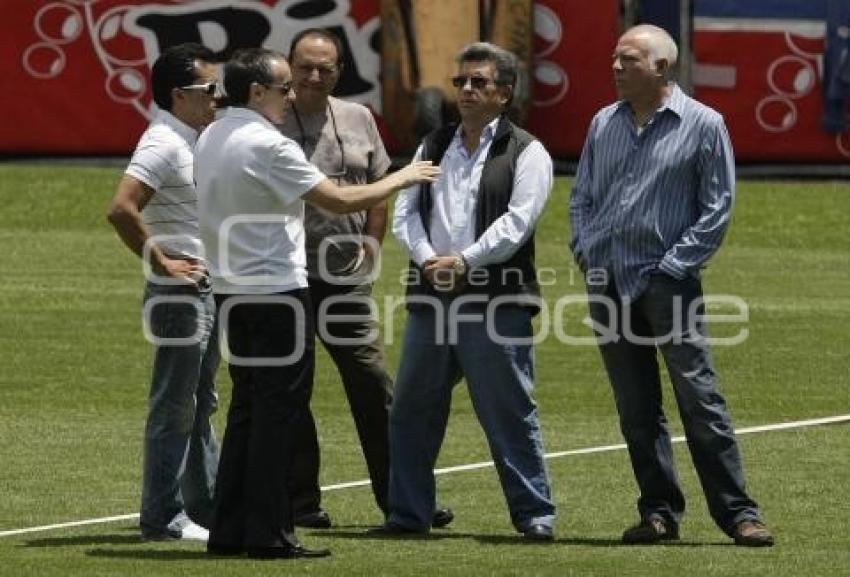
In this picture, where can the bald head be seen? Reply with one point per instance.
(659, 45)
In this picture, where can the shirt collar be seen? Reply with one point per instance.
(675, 103)
(185, 131)
(244, 113)
(486, 134)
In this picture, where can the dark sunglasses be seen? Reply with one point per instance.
(477, 82)
(209, 88)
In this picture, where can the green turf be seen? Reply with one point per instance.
(75, 366)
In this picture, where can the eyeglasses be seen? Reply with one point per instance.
(477, 82)
(208, 88)
(302, 142)
(284, 88)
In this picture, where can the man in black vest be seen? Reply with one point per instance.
(472, 293)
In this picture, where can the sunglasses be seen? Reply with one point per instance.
(209, 88)
(477, 82)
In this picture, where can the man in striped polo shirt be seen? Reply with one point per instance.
(154, 212)
(652, 200)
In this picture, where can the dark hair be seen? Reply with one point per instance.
(246, 67)
(319, 33)
(177, 67)
(504, 61)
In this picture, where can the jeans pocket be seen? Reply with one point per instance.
(174, 319)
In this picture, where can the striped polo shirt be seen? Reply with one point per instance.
(659, 198)
(163, 160)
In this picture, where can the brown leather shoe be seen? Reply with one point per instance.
(650, 531)
(752, 534)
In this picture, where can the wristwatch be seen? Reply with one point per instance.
(460, 265)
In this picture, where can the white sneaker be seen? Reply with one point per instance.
(194, 532)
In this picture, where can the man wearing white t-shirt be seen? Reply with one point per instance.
(154, 212)
(251, 183)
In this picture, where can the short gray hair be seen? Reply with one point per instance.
(660, 44)
(504, 61)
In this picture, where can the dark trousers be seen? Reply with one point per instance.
(661, 314)
(268, 407)
(368, 388)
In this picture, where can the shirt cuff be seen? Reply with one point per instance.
(422, 252)
(671, 267)
(473, 255)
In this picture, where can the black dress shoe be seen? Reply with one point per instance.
(442, 517)
(297, 552)
(314, 520)
(539, 533)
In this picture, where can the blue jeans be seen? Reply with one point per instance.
(664, 312)
(180, 448)
(500, 378)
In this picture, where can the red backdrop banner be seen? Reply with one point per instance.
(76, 71)
(767, 80)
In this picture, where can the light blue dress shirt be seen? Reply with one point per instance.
(658, 198)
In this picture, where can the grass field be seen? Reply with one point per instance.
(75, 366)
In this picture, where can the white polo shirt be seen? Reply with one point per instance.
(163, 161)
(250, 180)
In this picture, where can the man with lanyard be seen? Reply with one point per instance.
(341, 139)
(155, 213)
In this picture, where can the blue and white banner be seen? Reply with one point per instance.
(779, 9)
(837, 67)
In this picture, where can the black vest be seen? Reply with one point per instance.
(517, 275)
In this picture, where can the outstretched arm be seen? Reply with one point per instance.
(329, 196)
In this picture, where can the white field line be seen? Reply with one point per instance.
(69, 524)
(469, 467)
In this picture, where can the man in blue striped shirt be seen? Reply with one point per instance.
(652, 201)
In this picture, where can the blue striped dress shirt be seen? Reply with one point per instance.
(656, 199)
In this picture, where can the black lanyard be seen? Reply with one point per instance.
(302, 141)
